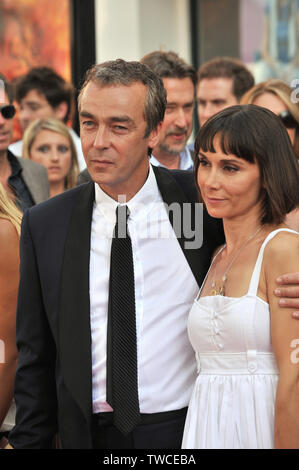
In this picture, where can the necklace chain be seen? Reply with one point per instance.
(221, 289)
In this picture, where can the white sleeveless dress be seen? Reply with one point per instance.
(232, 403)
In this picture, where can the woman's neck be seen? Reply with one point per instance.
(237, 230)
(57, 188)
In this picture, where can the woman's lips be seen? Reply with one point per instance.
(214, 200)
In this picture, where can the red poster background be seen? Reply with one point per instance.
(34, 33)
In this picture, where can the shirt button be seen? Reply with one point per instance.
(252, 367)
(217, 331)
(215, 315)
(220, 346)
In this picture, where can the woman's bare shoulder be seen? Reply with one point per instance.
(282, 247)
(7, 229)
(9, 248)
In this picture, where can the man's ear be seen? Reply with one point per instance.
(154, 136)
(61, 111)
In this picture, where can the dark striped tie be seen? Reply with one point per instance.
(122, 383)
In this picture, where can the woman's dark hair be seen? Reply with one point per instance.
(255, 134)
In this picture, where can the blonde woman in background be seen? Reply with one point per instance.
(10, 223)
(48, 142)
(276, 95)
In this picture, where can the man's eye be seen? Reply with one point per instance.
(34, 107)
(120, 128)
(87, 123)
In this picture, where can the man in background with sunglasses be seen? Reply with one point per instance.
(25, 181)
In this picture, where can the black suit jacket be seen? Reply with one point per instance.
(53, 387)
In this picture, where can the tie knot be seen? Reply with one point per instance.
(122, 212)
(122, 215)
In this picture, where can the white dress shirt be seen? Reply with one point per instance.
(164, 291)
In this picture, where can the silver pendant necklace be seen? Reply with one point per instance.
(218, 287)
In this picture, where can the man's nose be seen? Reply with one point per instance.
(102, 138)
(181, 118)
(2, 120)
(24, 115)
(204, 113)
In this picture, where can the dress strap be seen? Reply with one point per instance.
(255, 278)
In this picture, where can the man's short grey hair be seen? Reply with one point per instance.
(121, 72)
(169, 65)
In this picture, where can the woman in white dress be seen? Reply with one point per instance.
(247, 391)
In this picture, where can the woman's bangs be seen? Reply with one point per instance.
(232, 141)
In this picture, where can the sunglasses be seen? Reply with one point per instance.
(8, 111)
(287, 119)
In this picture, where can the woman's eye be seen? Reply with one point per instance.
(63, 148)
(43, 148)
(230, 169)
(203, 162)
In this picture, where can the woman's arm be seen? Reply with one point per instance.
(282, 255)
(9, 280)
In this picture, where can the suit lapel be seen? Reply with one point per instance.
(172, 193)
(74, 315)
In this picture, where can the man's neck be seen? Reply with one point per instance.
(3, 156)
(171, 161)
(4, 163)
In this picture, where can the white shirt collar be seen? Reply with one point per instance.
(139, 205)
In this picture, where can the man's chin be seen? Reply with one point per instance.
(173, 149)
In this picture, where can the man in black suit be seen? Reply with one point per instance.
(65, 383)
